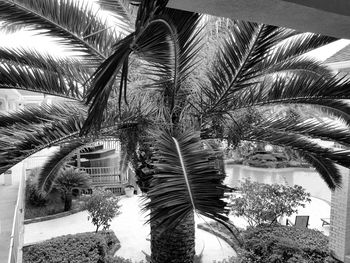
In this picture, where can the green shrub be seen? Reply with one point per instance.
(85, 247)
(32, 196)
(102, 206)
(112, 241)
(284, 244)
(264, 203)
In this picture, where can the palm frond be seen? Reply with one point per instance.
(103, 80)
(72, 68)
(28, 131)
(313, 151)
(302, 89)
(122, 10)
(252, 52)
(326, 169)
(73, 22)
(168, 44)
(50, 170)
(294, 48)
(43, 114)
(15, 76)
(297, 65)
(246, 46)
(310, 127)
(188, 178)
(20, 138)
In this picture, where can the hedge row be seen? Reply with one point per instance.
(277, 244)
(85, 247)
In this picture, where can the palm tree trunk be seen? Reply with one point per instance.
(174, 245)
(68, 201)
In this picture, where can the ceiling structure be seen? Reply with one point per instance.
(327, 17)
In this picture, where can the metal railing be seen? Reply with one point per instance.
(109, 143)
(16, 241)
(105, 175)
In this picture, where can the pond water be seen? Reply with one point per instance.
(308, 178)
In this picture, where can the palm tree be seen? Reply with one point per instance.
(67, 179)
(256, 67)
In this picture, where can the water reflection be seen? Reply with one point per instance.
(306, 177)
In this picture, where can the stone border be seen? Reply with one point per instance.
(49, 217)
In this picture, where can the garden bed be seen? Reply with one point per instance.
(53, 209)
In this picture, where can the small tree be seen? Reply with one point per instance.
(264, 203)
(68, 179)
(102, 207)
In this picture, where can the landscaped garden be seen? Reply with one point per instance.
(172, 86)
(265, 240)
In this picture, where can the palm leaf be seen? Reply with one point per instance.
(122, 10)
(49, 172)
(313, 128)
(43, 114)
(297, 66)
(104, 77)
(314, 153)
(54, 83)
(75, 69)
(102, 83)
(294, 48)
(73, 22)
(26, 133)
(326, 168)
(187, 178)
(170, 60)
(253, 51)
(302, 89)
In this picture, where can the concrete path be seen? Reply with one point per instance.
(8, 199)
(131, 230)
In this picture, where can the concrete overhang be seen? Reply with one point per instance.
(327, 17)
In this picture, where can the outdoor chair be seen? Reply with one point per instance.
(300, 222)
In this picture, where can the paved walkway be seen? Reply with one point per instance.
(131, 230)
(8, 199)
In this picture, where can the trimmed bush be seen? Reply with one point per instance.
(85, 247)
(284, 244)
(112, 241)
(120, 260)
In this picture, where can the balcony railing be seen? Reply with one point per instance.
(105, 175)
(16, 241)
(109, 143)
